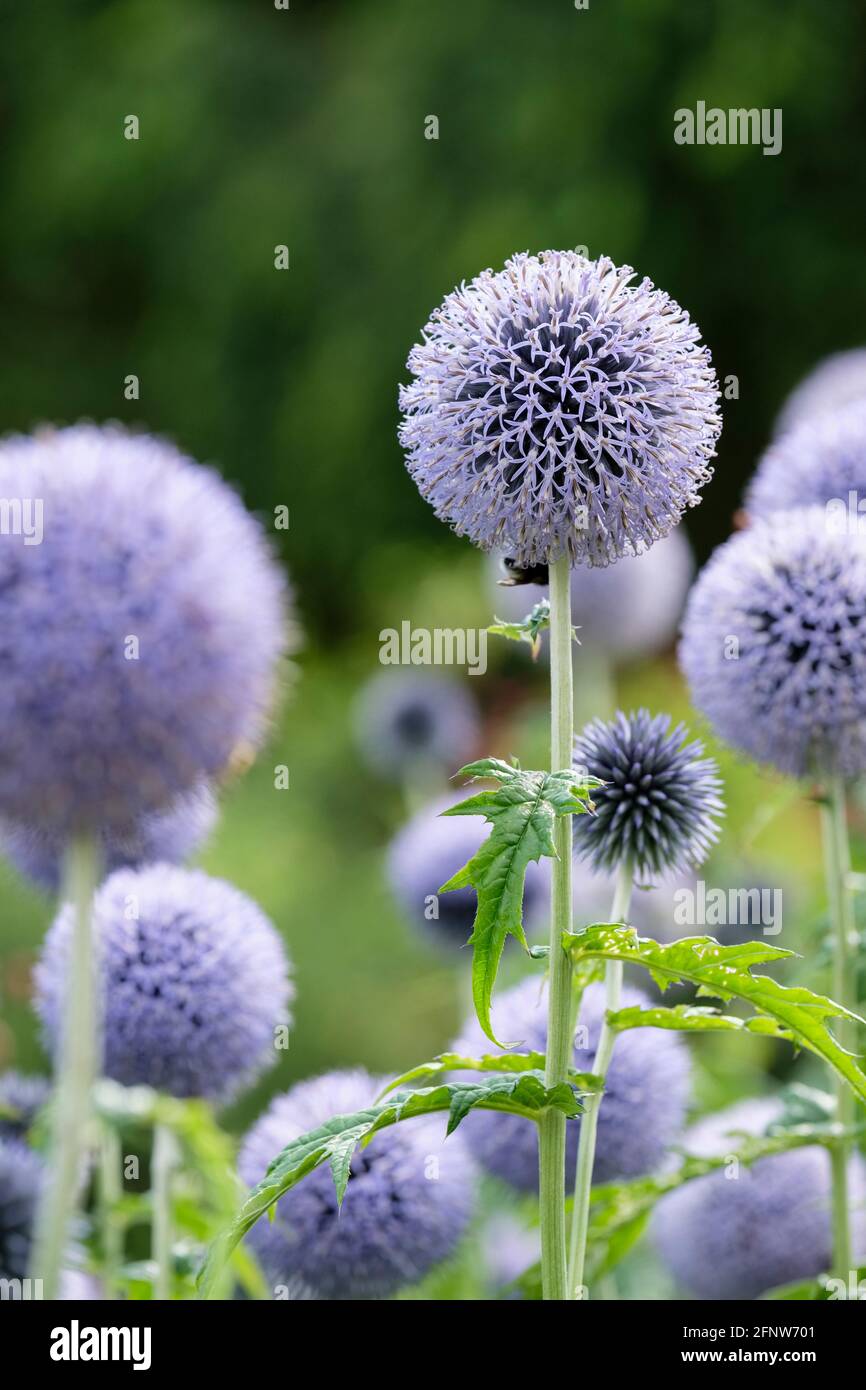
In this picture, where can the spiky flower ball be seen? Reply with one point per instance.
(142, 617)
(819, 462)
(411, 722)
(427, 852)
(557, 407)
(829, 387)
(408, 1202)
(194, 977)
(645, 1096)
(625, 611)
(21, 1176)
(169, 836)
(21, 1098)
(741, 1230)
(774, 644)
(660, 803)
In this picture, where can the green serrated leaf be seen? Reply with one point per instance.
(510, 1062)
(694, 1018)
(521, 810)
(528, 629)
(522, 1093)
(724, 972)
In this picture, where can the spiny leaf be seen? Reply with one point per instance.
(725, 972)
(693, 1018)
(521, 810)
(528, 629)
(499, 1062)
(523, 1093)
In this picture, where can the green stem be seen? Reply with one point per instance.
(837, 863)
(551, 1129)
(163, 1160)
(76, 1072)
(110, 1194)
(589, 1119)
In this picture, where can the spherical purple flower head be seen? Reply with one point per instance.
(774, 644)
(735, 1237)
(628, 610)
(644, 1101)
(830, 387)
(406, 721)
(407, 1205)
(660, 802)
(427, 852)
(168, 836)
(140, 636)
(21, 1098)
(817, 463)
(195, 981)
(21, 1174)
(558, 408)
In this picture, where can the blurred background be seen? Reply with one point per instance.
(305, 128)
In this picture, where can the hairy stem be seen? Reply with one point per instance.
(589, 1119)
(837, 864)
(76, 1072)
(551, 1130)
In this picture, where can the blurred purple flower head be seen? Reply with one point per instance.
(195, 981)
(774, 644)
(626, 611)
(830, 387)
(735, 1237)
(644, 1102)
(140, 637)
(819, 461)
(23, 1096)
(21, 1174)
(408, 1202)
(660, 804)
(410, 721)
(427, 852)
(168, 836)
(557, 407)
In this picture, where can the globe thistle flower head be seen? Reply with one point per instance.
(624, 611)
(819, 462)
(21, 1099)
(645, 1096)
(831, 386)
(408, 1202)
(738, 1232)
(168, 836)
(660, 804)
(194, 977)
(140, 634)
(428, 851)
(558, 408)
(21, 1177)
(411, 721)
(774, 645)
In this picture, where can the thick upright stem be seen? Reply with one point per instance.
(589, 1119)
(110, 1194)
(76, 1072)
(163, 1162)
(837, 863)
(551, 1130)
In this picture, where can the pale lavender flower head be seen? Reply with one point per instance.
(21, 1098)
(831, 386)
(625, 611)
(195, 981)
(819, 462)
(140, 636)
(412, 721)
(660, 803)
(774, 644)
(735, 1237)
(408, 1203)
(427, 852)
(168, 836)
(21, 1177)
(644, 1101)
(557, 407)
